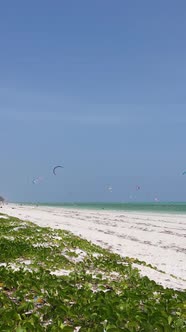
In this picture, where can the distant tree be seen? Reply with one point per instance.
(2, 200)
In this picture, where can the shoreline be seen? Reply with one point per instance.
(136, 207)
(155, 238)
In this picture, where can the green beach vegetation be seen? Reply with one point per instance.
(51, 280)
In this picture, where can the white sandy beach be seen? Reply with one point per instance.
(157, 239)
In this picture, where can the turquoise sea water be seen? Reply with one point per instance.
(167, 207)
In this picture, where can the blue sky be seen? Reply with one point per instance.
(98, 87)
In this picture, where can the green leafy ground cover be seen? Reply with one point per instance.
(51, 280)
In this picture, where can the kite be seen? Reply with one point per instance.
(55, 168)
(109, 188)
(37, 180)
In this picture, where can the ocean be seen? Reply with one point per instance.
(163, 207)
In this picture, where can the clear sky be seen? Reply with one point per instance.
(99, 87)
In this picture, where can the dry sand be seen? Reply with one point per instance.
(157, 239)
